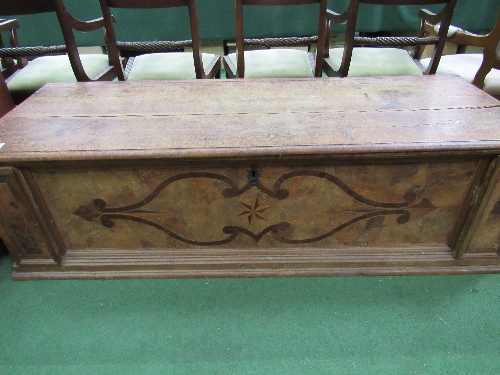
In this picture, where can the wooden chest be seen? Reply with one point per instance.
(252, 178)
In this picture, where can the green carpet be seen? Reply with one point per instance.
(339, 325)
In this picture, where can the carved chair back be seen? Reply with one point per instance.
(352, 40)
(152, 47)
(241, 42)
(67, 24)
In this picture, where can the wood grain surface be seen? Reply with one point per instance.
(315, 206)
(250, 117)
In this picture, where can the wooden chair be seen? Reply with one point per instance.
(9, 64)
(276, 63)
(481, 69)
(60, 63)
(158, 60)
(393, 60)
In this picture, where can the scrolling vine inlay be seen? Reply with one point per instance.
(98, 211)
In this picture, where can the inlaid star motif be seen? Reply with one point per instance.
(256, 211)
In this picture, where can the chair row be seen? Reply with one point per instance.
(359, 56)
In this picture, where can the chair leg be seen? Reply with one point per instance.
(225, 47)
(3, 249)
(229, 67)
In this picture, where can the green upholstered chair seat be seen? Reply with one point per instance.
(276, 63)
(47, 69)
(466, 66)
(452, 30)
(369, 61)
(171, 65)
